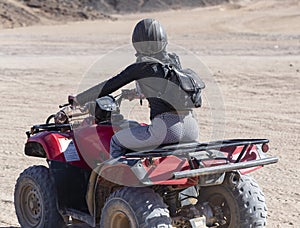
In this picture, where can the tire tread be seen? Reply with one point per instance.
(40, 176)
(144, 202)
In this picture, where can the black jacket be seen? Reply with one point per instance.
(150, 77)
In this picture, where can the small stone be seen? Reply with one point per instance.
(291, 65)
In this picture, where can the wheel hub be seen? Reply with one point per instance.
(31, 206)
(34, 203)
(120, 220)
(220, 210)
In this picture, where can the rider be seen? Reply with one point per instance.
(168, 123)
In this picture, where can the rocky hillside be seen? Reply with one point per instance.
(16, 13)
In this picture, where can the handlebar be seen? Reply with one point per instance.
(69, 108)
(63, 105)
(61, 120)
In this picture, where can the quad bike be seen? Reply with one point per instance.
(180, 185)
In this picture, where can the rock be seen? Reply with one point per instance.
(34, 4)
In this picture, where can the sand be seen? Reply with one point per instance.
(253, 53)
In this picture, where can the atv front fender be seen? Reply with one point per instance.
(35, 149)
(46, 145)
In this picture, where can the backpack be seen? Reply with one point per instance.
(187, 92)
(182, 87)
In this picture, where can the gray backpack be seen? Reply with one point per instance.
(182, 88)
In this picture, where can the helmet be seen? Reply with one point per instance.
(149, 37)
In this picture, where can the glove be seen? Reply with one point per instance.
(64, 115)
(61, 117)
(72, 100)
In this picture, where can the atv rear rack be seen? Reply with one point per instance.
(224, 168)
(201, 151)
(186, 148)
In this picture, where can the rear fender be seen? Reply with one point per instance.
(96, 199)
(250, 153)
(135, 172)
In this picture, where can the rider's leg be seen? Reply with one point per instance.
(165, 128)
(134, 138)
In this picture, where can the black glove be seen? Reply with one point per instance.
(61, 117)
(72, 100)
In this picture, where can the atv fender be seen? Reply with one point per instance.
(46, 145)
(35, 149)
(91, 191)
(135, 173)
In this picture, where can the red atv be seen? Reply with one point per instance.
(181, 185)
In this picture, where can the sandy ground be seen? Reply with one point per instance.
(252, 50)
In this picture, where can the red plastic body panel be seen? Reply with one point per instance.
(91, 143)
(50, 143)
(251, 154)
(161, 172)
(88, 146)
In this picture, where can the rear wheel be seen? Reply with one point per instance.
(35, 199)
(134, 208)
(235, 205)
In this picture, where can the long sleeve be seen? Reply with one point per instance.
(90, 94)
(131, 73)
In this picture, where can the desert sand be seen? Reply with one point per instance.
(252, 51)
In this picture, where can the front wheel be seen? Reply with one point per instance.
(35, 199)
(135, 208)
(235, 205)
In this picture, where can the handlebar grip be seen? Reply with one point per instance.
(63, 105)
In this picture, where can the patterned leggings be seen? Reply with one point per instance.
(165, 128)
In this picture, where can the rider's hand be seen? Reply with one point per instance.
(72, 100)
(61, 117)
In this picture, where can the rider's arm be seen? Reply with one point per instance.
(131, 73)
